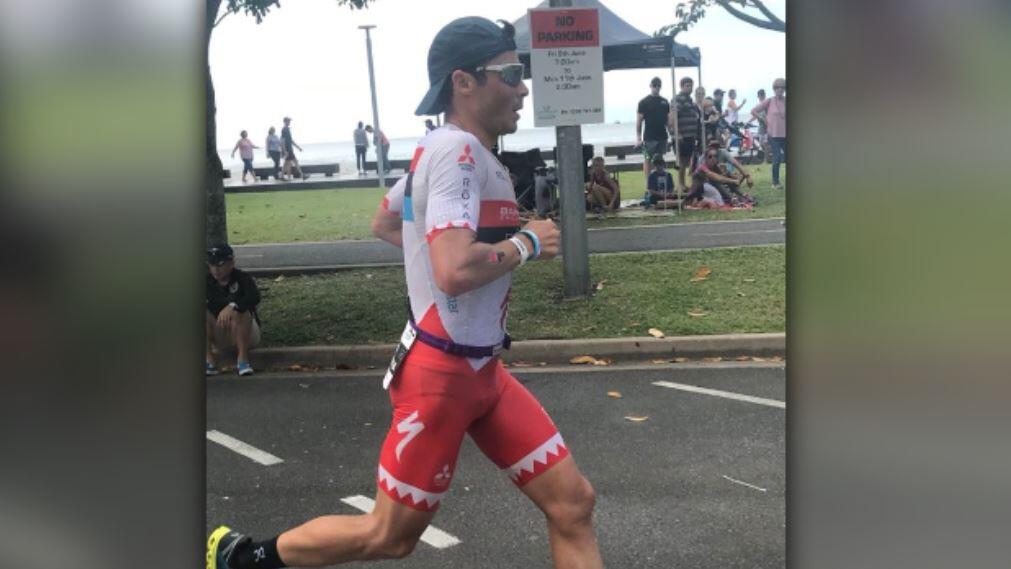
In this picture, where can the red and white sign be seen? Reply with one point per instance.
(567, 66)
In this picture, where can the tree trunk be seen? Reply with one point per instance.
(217, 227)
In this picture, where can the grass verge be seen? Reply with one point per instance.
(746, 292)
(328, 215)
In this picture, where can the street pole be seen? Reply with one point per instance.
(570, 164)
(380, 154)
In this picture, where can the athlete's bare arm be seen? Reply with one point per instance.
(386, 225)
(461, 264)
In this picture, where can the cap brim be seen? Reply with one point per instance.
(430, 103)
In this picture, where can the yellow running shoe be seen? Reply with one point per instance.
(221, 546)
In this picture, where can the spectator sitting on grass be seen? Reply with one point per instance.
(727, 160)
(232, 321)
(703, 195)
(718, 176)
(660, 186)
(602, 192)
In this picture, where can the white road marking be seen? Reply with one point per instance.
(718, 393)
(736, 481)
(248, 451)
(432, 536)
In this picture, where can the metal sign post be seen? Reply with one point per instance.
(380, 153)
(567, 68)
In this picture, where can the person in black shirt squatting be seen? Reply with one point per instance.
(232, 321)
(653, 111)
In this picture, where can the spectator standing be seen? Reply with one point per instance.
(721, 124)
(232, 321)
(654, 112)
(718, 100)
(384, 143)
(290, 160)
(775, 119)
(361, 147)
(689, 117)
(245, 148)
(733, 116)
(711, 118)
(274, 151)
(429, 126)
(732, 107)
(763, 136)
(700, 95)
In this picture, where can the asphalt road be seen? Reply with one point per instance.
(614, 240)
(700, 483)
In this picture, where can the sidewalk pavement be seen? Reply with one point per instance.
(535, 352)
(303, 258)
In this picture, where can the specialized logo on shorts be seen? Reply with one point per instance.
(442, 478)
(411, 428)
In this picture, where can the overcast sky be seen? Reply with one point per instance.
(308, 60)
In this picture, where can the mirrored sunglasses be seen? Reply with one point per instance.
(510, 73)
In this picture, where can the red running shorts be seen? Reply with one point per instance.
(436, 399)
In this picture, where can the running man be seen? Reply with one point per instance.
(458, 223)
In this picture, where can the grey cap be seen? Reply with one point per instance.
(462, 43)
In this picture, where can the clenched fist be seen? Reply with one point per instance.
(549, 236)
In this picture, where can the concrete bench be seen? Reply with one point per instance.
(394, 165)
(621, 151)
(327, 170)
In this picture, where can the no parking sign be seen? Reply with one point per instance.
(567, 67)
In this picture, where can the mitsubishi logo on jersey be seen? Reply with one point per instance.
(409, 427)
(466, 156)
(442, 478)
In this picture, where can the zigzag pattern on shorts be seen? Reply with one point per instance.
(402, 490)
(537, 461)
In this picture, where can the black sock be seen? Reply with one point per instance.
(258, 555)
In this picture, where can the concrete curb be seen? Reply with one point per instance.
(552, 352)
(270, 272)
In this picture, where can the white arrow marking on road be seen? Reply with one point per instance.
(248, 451)
(742, 483)
(718, 393)
(432, 536)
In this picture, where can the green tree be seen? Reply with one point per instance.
(688, 13)
(217, 228)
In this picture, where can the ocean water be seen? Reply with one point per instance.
(343, 152)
